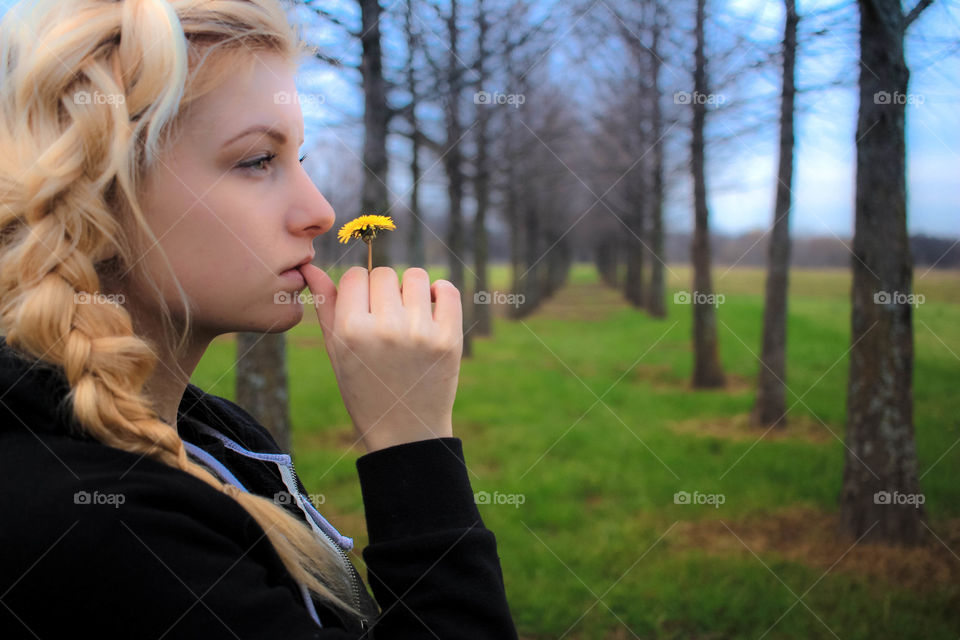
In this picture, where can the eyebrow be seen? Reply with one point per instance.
(259, 128)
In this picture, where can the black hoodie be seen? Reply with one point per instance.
(97, 539)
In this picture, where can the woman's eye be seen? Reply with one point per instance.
(259, 163)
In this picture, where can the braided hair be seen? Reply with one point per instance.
(71, 168)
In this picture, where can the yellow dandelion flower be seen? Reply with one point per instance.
(365, 228)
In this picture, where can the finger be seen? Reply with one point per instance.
(448, 312)
(353, 295)
(385, 299)
(416, 293)
(324, 294)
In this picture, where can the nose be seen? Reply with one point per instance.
(313, 214)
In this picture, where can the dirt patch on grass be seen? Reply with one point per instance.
(812, 537)
(583, 302)
(662, 378)
(739, 428)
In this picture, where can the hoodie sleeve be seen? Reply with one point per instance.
(431, 562)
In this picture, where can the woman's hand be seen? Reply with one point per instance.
(396, 361)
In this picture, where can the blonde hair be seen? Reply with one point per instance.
(70, 170)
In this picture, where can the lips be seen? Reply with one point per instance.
(306, 260)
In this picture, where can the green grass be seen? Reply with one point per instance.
(598, 478)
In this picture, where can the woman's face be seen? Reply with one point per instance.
(233, 208)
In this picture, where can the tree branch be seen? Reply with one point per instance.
(915, 13)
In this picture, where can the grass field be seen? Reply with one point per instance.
(583, 412)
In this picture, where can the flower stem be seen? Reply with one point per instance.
(369, 256)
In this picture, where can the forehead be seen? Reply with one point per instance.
(243, 96)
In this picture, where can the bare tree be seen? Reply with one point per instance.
(416, 254)
(481, 180)
(881, 457)
(376, 119)
(655, 299)
(770, 407)
(707, 371)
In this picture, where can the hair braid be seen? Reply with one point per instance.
(69, 173)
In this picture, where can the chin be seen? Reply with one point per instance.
(274, 317)
(287, 317)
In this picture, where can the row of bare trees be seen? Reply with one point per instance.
(460, 102)
(880, 449)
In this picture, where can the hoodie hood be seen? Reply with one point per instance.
(35, 394)
(217, 433)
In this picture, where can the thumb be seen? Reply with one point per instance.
(324, 293)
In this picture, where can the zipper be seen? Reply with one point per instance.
(347, 564)
(283, 459)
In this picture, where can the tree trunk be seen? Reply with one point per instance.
(656, 304)
(606, 260)
(453, 163)
(880, 487)
(530, 280)
(771, 408)
(633, 250)
(482, 321)
(261, 384)
(376, 116)
(416, 254)
(707, 371)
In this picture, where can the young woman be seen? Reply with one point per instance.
(151, 199)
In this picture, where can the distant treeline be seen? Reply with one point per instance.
(750, 249)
